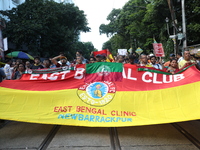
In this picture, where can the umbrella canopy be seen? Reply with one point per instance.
(19, 54)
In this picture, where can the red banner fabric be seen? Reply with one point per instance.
(133, 80)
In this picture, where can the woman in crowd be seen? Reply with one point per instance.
(19, 72)
(173, 66)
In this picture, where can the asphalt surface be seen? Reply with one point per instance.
(20, 136)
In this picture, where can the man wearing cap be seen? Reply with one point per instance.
(186, 61)
(171, 56)
(99, 58)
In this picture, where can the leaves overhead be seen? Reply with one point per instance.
(139, 21)
(45, 27)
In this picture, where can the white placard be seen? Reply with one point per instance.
(5, 44)
(122, 51)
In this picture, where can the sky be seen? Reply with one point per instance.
(96, 12)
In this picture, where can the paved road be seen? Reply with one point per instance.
(19, 136)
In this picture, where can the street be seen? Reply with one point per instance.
(177, 136)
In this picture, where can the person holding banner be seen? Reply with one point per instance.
(154, 64)
(46, 63)
(144, 61)
(37, 64)
(79, 53)
(120, 59)
(171, 56)
(173, 67)
(186, 61)
(19, 72)
(79, 60)
(92, 60)
(99, 58)
(131, 59)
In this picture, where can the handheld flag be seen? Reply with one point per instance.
(106, 53)
(130, 50)
(139, 51)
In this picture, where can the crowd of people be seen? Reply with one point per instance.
(13, 70)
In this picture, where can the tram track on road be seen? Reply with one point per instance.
(114, 140)
(112, 133)
(45, 143)
(190, 137)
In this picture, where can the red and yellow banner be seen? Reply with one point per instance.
(64, 98)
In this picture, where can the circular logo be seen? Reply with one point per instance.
(103, 70)
(65, 68)
(29, 71)
(97, 93)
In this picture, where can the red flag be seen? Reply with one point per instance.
(106, 53)
(102, 52)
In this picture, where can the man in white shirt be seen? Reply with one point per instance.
(179, 56)
(7, 69)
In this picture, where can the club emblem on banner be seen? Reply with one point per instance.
(103, 70)
(97, 93)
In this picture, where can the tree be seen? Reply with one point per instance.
(112, 27)
(45, 27)
(116, 42)
(143, 20)
(192, 21)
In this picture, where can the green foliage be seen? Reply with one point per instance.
(112, 27)
(45, 27)
(116, 42)
(108, 45)
(89, 47)
(193, 23)
(143, 20)
(85, 47)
